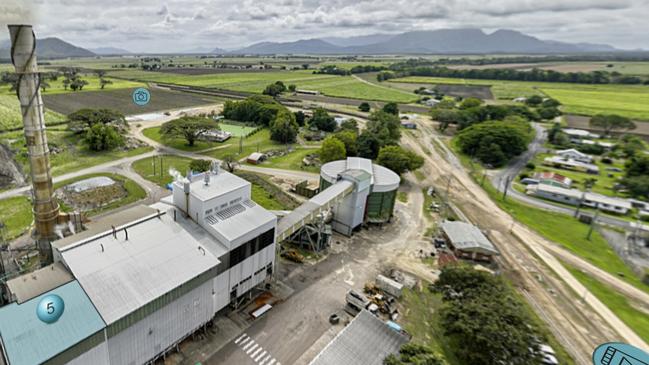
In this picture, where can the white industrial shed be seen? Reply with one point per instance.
(153, 275)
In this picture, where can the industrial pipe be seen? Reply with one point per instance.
(45, 207)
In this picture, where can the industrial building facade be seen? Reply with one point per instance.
(138, 282)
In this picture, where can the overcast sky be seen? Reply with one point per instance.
(176, 25)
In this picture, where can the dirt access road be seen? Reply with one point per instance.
(580, 323)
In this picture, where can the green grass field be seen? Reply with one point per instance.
(255, 82)
(628, 100)
(260, 141)
(159, 173)
(72, 154)
(570, 233)
(180, 143)
(16, 214)
(292, 161)
(634, 318)
(11, 117)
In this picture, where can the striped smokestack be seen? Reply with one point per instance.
(46, 208)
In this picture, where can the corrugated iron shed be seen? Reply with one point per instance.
(465, 236)
(366, 340)
(28, 341)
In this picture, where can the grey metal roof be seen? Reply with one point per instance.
(27, 340)
(28, 286)
(105, 224)
(467, 237)
(122, 275)
(366, 340)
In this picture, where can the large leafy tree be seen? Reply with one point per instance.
(485, 319)
(391, 108)
(83, 119)
(385, 126)
(486, 141)
(611, 122)
(188, 128)
(332, 149)
(349, 138)
(398, 159)
(284, 127)
(322, 120)
(275, 89)
(257, 109)
(414, 354)
(102, 137)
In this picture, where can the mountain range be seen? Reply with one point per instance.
(442, 41)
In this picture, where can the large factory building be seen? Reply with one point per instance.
(138, 282)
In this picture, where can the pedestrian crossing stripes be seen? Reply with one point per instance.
(255, 351)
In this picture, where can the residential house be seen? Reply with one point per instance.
(576, 197)
(579, 133)
(552, 178)
(569, 164)
(573, 154)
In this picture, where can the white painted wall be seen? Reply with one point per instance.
(98, 355)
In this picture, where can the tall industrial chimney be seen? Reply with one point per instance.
(46, 208)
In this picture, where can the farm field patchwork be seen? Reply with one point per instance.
(255, 82)
(628, 100)
(120, 100)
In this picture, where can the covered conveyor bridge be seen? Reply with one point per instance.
(307, 212)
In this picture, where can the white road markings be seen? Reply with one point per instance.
(255, 351)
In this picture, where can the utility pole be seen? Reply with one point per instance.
(507, 181)
(240, 144)
(153, 163)
(592, 224)
(581, 201)
(484, 175)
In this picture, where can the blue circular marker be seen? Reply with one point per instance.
(616, 353)
(141, 96)
(50, 308)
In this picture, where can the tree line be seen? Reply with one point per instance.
(404, 69)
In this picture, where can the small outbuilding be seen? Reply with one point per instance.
(467, 241)
(256, 158)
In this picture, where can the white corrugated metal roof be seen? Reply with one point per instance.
(221, 183)
(465, 236)
(366, 340)
(240, 219)
(383, 179)
(577, 194)
(123, 276)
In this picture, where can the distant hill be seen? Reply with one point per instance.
(442, 41)
(50, 48)
(305, 46)
(362, 40)
(105, 51)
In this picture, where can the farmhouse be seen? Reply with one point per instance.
(307, 92)
(573, 154)
(574, 196)
(467, 241)
(568, 164)
(552, 178)
(606, 145)
(579, 133)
